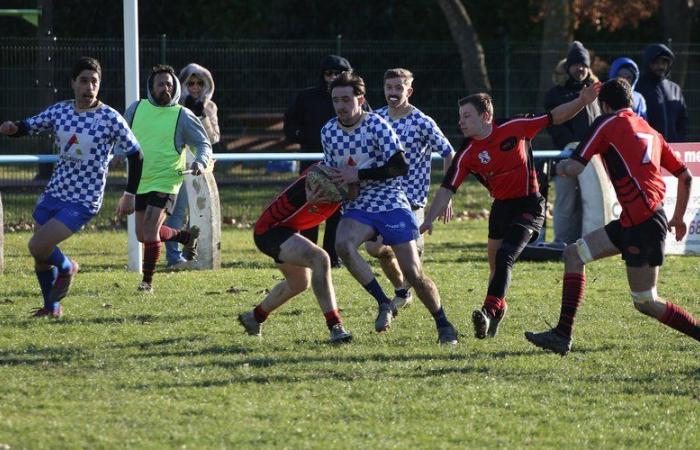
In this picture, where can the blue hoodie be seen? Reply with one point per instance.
(639, 106)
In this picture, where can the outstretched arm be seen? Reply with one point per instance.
(396, 166)
(566, 111)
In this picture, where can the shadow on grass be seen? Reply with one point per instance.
(238, 264)
(34, 356)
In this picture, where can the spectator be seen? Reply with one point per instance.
(198, 91)
(624, 67)
(666, 110)
(308, 112)
(567, 204)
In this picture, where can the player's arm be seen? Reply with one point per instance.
(566, 111)
(14, 129)
(569, 168)
(126, 203)
(447, 214)
(685, 183)
(33, 125)
(437, 207)
(195, 136)
(396, 166)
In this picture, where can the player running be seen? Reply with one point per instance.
(362, 147)
(85, 133)
(420, 137)
(499, 154)
(633, 154)
(302, 262)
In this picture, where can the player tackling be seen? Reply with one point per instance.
(633, 154)
(299, 207)
(499, 154)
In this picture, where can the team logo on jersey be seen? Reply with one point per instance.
(509, 144)
(484, 157)
(71, 151)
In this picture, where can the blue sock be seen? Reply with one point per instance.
(46, 279)
(401, 292)
(58, 259)
(376, 291)
(440, 318)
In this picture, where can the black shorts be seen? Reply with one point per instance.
(157, 199)
(270, 241)
(524, 211)
(641, 244)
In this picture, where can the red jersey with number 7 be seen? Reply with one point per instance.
(502, 161)
(633, 154)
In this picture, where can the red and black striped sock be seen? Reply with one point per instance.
(151, 253)
(260, 314)
(681, 320)
(493, 305)
(573, 287)
(171, 234)
(332, 318)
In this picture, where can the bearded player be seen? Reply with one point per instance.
(633, 154)
(420, 137)
(303, 263)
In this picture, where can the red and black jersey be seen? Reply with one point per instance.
(633, 154)
(503, 161)
(290, 210)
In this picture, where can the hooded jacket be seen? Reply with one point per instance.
(311, 108)
(666, 109)
(639, 106)
(576, 128)
(203, 107)
(189, 130)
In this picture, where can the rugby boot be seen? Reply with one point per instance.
(252, 327)
(550, 340)
(385, 315)
(339, 334)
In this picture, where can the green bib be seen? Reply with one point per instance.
(154, 127)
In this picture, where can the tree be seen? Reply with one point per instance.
(471, 52)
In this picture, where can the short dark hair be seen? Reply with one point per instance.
(482, 102)
(161, 68)
(616, 93)
(350, 79)
(86, 63)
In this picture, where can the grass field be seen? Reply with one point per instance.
(175, 370)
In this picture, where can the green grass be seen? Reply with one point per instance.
(175, 370)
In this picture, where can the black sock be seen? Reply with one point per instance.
(440, 318)
(376, 291)
(401, 292)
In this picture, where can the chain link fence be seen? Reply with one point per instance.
(255, 81)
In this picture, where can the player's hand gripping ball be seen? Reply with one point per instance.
(319, 177)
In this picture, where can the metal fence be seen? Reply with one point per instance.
(254, 83)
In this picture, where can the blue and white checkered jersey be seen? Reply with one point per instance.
(420, 136)
(84, 143)
(368, 145)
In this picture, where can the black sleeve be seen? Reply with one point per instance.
(134, 176)
(395, 167)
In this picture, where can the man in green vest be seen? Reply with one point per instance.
(164, 128)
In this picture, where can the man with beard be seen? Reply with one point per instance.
(568, 214)
(164, 128)
(666, 110)
(308, 112)
(420, 137)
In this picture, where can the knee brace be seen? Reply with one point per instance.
(644, 300)
(583, 251)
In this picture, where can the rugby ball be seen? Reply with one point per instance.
(319, 175)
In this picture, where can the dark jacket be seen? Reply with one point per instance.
(666, 110)
(311, 108)
(574, 129)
